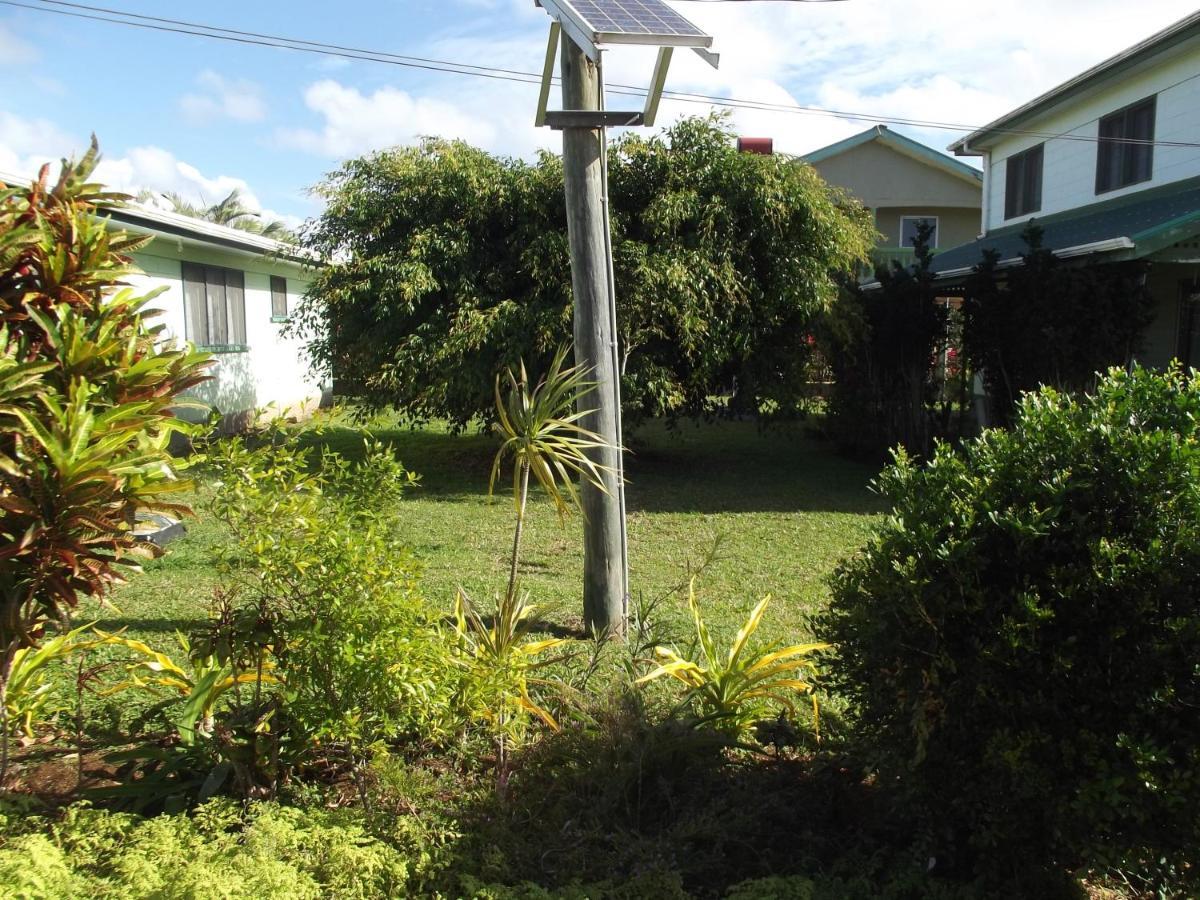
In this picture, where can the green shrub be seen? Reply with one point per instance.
(1050, 322)
(777, 887)
(319, 582)
(1020, 639)
(882, 345)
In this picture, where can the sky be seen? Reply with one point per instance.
(199, 117)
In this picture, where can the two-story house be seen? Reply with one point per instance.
(904, 183)
(1108, 164)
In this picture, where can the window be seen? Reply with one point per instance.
(1188, 348)
(1023, 182)
(1118, 162)
(214, 302)
(279, 309)
(909, 226)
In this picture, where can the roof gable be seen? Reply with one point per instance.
(905, 146)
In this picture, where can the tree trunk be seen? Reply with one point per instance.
(6, 667)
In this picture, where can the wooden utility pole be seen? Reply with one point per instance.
(603, 558)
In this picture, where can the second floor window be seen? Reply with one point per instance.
(1126, 151)
(214, 300)
(1023, 182)
(909, 226)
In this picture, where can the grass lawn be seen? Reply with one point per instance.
(783, 508)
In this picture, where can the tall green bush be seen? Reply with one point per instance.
(87, 393)
(318, 581)
(449, 264)
(882, 344)
(1019, 641)
(1050, 322)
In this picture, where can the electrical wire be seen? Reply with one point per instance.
(177, 26)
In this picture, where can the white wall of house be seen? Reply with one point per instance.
(1069, 173)
(272, 370)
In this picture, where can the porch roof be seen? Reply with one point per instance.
(1129, 227)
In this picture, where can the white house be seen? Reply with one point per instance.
(230, 292)
(1108, 164)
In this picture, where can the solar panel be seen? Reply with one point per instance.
(627, 22)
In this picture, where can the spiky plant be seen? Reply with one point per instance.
(733, 689)
(540, 427)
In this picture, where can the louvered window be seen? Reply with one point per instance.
(279, 306)
(214, 300)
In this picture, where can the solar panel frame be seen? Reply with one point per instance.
(648, 22)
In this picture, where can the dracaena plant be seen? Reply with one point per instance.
(540, 431)
(539, 425)
(201, 681)
(735, 688)
(88, 389)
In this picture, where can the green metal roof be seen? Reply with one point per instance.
(900, 143)
(1151, 220)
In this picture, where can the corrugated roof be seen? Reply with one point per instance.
(1186, 28)
(158, 220)
(161, 221)
(1148, 220)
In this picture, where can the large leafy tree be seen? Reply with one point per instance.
(447, 264)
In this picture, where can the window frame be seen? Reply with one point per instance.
(1032, 204)
(231, 297)
(937, 230)
(1112, 154)
(279, 283)
(1188, 323)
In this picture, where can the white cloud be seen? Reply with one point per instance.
(27, 144)
(223, 98)
(943, 61)
(14, 51)
(356, 123)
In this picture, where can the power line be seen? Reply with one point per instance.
(177, 26)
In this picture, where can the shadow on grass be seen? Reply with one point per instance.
(724, 467)
(450, 465)
(153, 625)
(621, 800)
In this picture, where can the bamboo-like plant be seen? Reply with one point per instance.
(539, 424)
(734, 689)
